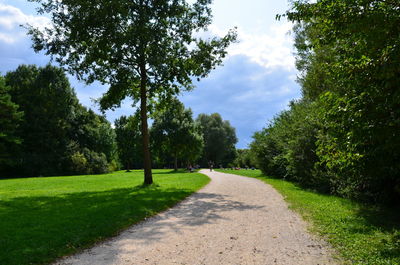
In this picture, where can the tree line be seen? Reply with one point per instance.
(177, 140)
(45, 131)
(342, 136)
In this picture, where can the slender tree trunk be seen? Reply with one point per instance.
(176, 163)
(148, 178)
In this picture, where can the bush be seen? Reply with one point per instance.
(287, 148)
(114, 165)
(97, 162)
(79, 164)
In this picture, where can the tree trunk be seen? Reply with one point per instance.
(128, 168)
(176, 163)
(148, 178)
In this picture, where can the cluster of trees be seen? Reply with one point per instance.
(343, 135)
(244, 159)
(46, 131)
(220, 139)
(176, 139)
(175, 136)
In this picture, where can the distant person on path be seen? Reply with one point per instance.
(211, 165)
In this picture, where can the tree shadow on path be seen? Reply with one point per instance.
(200, 209)
(37, 230)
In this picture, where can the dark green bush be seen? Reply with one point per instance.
(97, 162)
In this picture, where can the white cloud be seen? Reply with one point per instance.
(264, 95)
(7, 38)
(270, 49)
(10, 20)
(245, 93)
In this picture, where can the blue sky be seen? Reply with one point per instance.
(256, 81)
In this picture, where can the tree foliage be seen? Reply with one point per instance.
(48, 101)
(92, 137)
(219, 139)
(175, 134)
(244, 159)
(130, 151)
(58, 135)
(348, 53)
(287, 147)
(10, 120)
(142, 49)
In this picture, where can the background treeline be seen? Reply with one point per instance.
(45, 131)
(343, 136)
(177, 140)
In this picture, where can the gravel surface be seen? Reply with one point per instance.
(233, 220)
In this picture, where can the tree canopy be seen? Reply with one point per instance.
(342, 136)
(175, 134)
(244, 159)
(144, 49)
(48, 102)
(10, 120)
(56, 134)
(130, 152)
(219, 139)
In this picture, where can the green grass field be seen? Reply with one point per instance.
(42, 219)
(361, 233)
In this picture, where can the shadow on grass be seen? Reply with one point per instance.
(384, 219)
(37, 230)
(161, 171)
(171, 171)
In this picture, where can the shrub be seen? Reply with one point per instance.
(79, 164)
(97, 162)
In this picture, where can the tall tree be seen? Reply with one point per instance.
(127, 130)
(10, 120)
(175, 132)
(48, 103)
(219, 139)
(145, 49)
(59, 136)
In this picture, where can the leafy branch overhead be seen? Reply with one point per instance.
(108, 41)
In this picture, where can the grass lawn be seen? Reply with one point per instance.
(42, 219)
(361, 233)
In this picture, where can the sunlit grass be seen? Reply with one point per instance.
(42, 219)
(361, 233)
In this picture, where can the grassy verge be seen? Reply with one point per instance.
(361, 233)
(42, 219)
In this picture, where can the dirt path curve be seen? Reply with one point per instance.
(233, 220)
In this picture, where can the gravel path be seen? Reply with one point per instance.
(233, 220)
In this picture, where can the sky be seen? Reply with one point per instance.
(256, 81)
